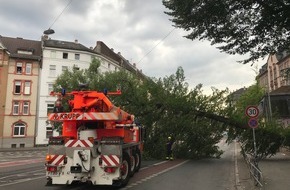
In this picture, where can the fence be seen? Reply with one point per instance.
(253, 166)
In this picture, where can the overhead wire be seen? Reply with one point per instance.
(61, 13)
(156, 45)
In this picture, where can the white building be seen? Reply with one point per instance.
(57, 57)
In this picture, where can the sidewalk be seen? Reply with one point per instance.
(275, 172)
(244, 181)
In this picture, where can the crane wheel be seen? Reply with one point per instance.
(137, 156)
(125, 169)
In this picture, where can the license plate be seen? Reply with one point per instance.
(53, 173)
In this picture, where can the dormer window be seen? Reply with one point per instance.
(26, 52)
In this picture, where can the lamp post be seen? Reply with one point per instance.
(48, 31)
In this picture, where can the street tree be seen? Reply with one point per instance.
(166, 106)
(270, 135)
(256, 28)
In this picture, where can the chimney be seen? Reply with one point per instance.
(112, 49)
(98, 47)
(44, 37)
(134, 64)
(119, 53)
(76, 41)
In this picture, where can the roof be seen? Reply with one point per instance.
(66, 45)
(14, 45)
(103, 49)
(238, 93)
(283, 90)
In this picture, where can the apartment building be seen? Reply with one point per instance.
(274, 77)
(122, 63)
(28, 70)
(59, 56)
(20, 63)
(275, 73)
(4, 57)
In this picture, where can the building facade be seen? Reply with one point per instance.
(20, 64)
(59, 56)
(28, 70)
(275, 73)
(274, 77)
(4, 57)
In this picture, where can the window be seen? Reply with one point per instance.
(77, 56)
(19, 68)
(64, 55)
(50, 108)
(53, 54)
(27, 87)
(28, 68)
(18, 130)
(1, 55)
(17, 87)
(50, 88)
(25, 108)
(26, 52)
(64, 68)
(16, 107)
(76, 68)
(48, 132)
(109, 65)
(52, 70)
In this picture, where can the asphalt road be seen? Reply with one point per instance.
(27, 172)
(206, 174)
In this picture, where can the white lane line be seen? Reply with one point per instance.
(21, 181)
(153, 175)
(237, 176)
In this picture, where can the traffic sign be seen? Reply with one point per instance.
(252, 111)
(253, 122)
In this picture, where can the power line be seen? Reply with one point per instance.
(61, 13)
(156, 45)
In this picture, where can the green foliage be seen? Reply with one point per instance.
(239, 27)
(165, 106)
(270, 135)
(269, 139)
(70, 80)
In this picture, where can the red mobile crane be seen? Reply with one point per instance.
(100, 143)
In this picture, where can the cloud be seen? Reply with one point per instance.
(140, 30)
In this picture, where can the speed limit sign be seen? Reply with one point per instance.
(252, 111)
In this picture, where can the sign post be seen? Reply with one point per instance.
(253, 112)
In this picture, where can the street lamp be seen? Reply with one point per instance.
(48, 31)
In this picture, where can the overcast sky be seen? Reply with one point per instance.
(139, 29)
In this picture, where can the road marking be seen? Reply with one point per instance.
(152, 165)
(20, 162)
(237, 176)
(153, 175)
(21, 181)
(24, 174)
